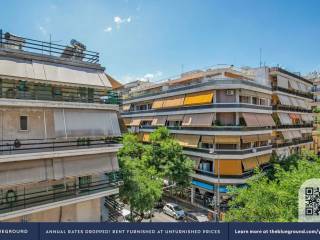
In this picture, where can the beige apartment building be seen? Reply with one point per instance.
(58, 158)
(228, 120)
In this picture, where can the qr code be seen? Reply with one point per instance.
(312, 201)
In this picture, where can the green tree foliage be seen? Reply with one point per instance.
(144, 167)
(274, 199)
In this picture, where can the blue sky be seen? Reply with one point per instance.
(156, 39)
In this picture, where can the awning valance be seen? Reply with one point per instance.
(284, 119)
(249, 163)
(250, 138)
(157, 104)
(199, 98)
(228, 167)
(264, 159)
(250, 119)
(207, 139)
(126, 107)
(159, 121)
(187, 140)
(227, 139)
(175, 101)
(198, 120)
(175, 118)
(135, 122)
(264, 137)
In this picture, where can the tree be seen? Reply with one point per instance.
(165, 154)
(273, 199)
(142, 184)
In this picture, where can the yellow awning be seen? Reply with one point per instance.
(228, 167)
(249, 163)
(135, 122)
(264, 137)
(157, 104)
(126, 121)
(264, 159)
(126, 107)
(250, 138)
(187, 140)
(199, 98)
(146, 137)
(207, 139)
(175, 101)
(159, 121)
(227, 139)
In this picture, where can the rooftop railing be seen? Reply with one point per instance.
(76, 51)
(13, 200)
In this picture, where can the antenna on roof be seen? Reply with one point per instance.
(260, 57)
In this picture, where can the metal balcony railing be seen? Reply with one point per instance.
(13, 201)
(293, 142)
(294, 92)
(305, 125)
(229, 151)
(9, 147)
(290, 108)
(212, 128)
(73, 52)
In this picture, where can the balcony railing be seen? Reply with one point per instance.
(245, 174)
(36, 91)
(290, 108)
(294, 92)
(210, 106)
(76, 51)
(8, 147)
(294, 142)
(305, 125)
(209, 82)
(21, 200)
(212, 128)
(229, 151)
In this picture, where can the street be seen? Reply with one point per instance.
(159, 216)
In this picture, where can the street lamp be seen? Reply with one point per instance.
(217, 201)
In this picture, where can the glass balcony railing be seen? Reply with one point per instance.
(37, 91)
(24, 198)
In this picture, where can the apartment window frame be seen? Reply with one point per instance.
(263, 102)
(24, 126)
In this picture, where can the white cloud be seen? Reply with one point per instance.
(107, 29)
(146, 77)
(118, 20)
(43, 30)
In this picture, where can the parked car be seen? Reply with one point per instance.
(173, 210)
(194, 216)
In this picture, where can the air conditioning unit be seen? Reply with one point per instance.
(230, 92)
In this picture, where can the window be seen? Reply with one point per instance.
(23, 123)
(263, 101)
(254, 100)
(226, 146)
(229, 92)
(244, 99)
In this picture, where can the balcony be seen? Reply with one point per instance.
(11, 147)
(229, 151)
(205, 106)
(28, 198)
(37, 91)
(305, 125)
(292, 143)
(213, 128)
(294, 92)
(210, 82)
(290, 108)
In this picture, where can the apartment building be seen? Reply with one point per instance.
(58, 133)
(292, 101)
(228, 120)
(315, 78)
